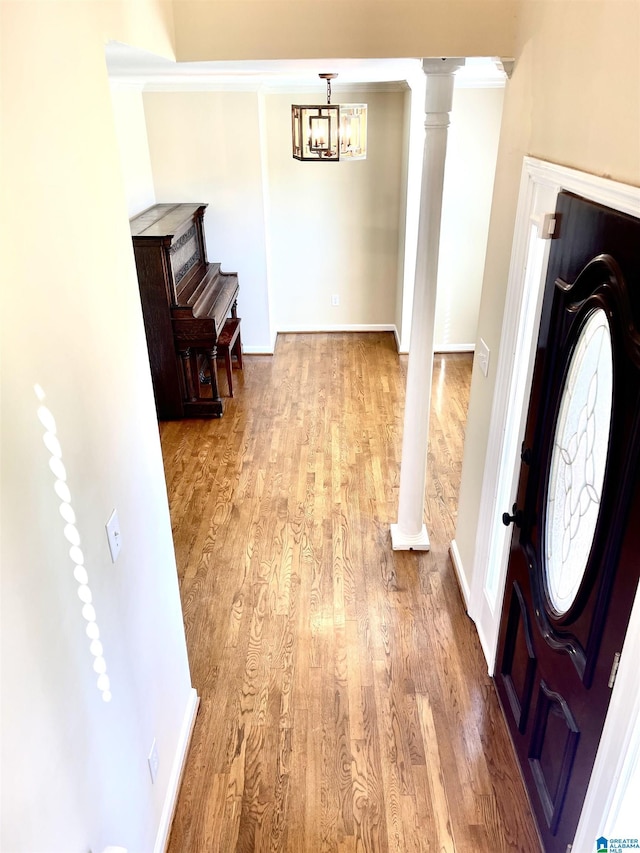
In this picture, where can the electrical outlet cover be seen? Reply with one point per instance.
(154, 761)
(113, 535)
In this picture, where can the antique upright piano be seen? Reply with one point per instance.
(185, 301)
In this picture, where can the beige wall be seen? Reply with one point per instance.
(335, 226)
(296, 233)
(574, 99)
(205, 147)
(133, 147)
(472, 149)
(74, 767)
(283, 29)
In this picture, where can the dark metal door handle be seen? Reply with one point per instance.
(516, 518)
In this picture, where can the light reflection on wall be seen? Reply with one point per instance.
(72, 536)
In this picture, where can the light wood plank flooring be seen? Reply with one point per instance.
(345, 702)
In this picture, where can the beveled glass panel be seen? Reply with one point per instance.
(578, 462)
(353, 131)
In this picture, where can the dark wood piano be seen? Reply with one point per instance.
(185, 301)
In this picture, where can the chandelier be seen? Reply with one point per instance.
(331, 132)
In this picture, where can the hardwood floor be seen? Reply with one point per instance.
(345, 704)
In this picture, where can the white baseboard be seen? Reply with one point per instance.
(459, 570)
(454, 553)
(177, 769)
(349, 327)
(259, 350)
(488, 649)
(338, 327)
(455, 348)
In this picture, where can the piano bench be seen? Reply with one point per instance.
(229, 344)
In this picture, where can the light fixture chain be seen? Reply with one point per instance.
(328, 91)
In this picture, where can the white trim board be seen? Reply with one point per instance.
(177, 770)
(303, 329)
(447, 348)
(457, 565)
(540, 184)
(257, 350)
(310, 328)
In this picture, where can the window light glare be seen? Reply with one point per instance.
(100, 665)
(71, 534)
(52, 444)
(66, 511)
(80, 574)
(93, 632)
(84, 594)
(96, 648)
(58, 468)
(47, 420)
(76, 555)
(62, 491)
(89, 612)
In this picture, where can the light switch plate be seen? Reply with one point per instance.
(113, 535)
(483, 357)
(154, 762)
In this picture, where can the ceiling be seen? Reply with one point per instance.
(132, 66)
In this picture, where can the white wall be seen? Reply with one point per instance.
(335, 227)
(133, 147)
(470, 167)
(205, 147)
(74, 767)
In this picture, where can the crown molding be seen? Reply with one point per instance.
(268, 87)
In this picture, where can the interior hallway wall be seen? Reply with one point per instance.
(336, 227)
(472, 149)
(133, 146)
(571, 102)
(205, 147)
(74, 767)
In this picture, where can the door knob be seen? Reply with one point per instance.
(516, 518)
(526, 454)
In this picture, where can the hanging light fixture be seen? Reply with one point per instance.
(331, 132)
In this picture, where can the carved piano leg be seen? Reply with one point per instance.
(187, 372)
(212, 355)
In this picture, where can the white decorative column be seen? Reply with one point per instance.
(410, 532)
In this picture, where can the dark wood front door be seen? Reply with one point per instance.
(575, 550)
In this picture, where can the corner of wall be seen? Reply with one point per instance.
(460, 574)
(177, 772)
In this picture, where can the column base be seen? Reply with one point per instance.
(409, 542)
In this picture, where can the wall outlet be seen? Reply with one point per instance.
(335, 300)
(483, 357)
(113, 535)
(154, 761)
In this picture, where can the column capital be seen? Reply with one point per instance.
(444, 65)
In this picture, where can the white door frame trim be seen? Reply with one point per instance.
(620, 744)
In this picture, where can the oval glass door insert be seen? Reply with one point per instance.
(578, 462)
